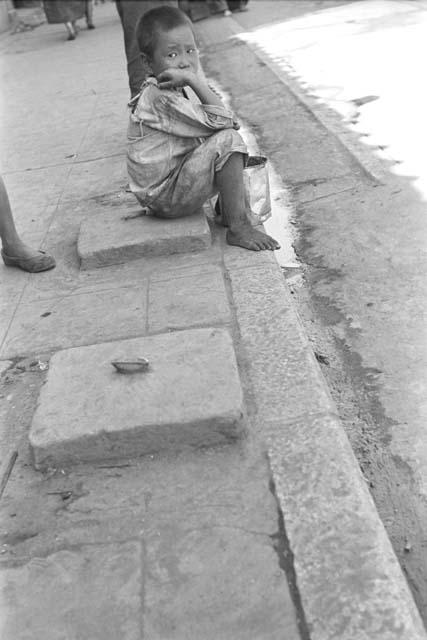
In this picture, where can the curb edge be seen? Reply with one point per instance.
(349, 579)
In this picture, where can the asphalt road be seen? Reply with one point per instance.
(363, 251)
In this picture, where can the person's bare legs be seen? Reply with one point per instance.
(14, 249)
(240, 232)
(11, 242)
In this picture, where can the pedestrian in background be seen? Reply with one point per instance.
(218, 6)
(199, 9)
(130, 11)
(237, 5)
(67, 12)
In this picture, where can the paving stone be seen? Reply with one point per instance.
(236, 257)
(4, 366)
(187, 264)
(348, 577)
(12, 283)
(108, 238)
(25, 194)
(188, 300)
(190, 396)
(95, 179)
(216, 583)
(69, 321)
(91, 593)
(68, 279)
(101, 140)
(6, 315)
(287, 380)
(314, 190)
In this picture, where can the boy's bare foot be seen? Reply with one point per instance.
(249, 238)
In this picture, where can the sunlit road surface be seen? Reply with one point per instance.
(371, 49)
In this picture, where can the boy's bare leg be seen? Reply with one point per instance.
(240, 232)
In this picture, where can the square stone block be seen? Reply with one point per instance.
(189, 396)
(112, 237)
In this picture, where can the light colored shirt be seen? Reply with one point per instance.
(164, 128)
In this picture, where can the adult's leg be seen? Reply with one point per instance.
(195, 9)
(217, 6)
(237, 5)
(240, 232)
(89, 14)
(15, 252)
(130, 11)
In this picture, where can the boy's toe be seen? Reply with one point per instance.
(273, 244)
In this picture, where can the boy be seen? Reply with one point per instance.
(182, 144)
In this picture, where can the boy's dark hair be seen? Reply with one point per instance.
(160, 19)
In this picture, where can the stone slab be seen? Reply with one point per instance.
(7, 311)
(89, 592)
(216, 583)
(4, 366)
(25, 192)
(349, 578)
(284, 372)
(185, 301)
(190, 396)
(69, 321)
(95, 179)
(108, 238)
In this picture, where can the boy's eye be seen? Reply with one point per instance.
(192, 50)
(172, 55)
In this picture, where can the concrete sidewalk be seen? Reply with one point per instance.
(219, 496)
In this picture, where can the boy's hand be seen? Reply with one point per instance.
(174, 78)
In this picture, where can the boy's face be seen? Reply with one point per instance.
(175, 49)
